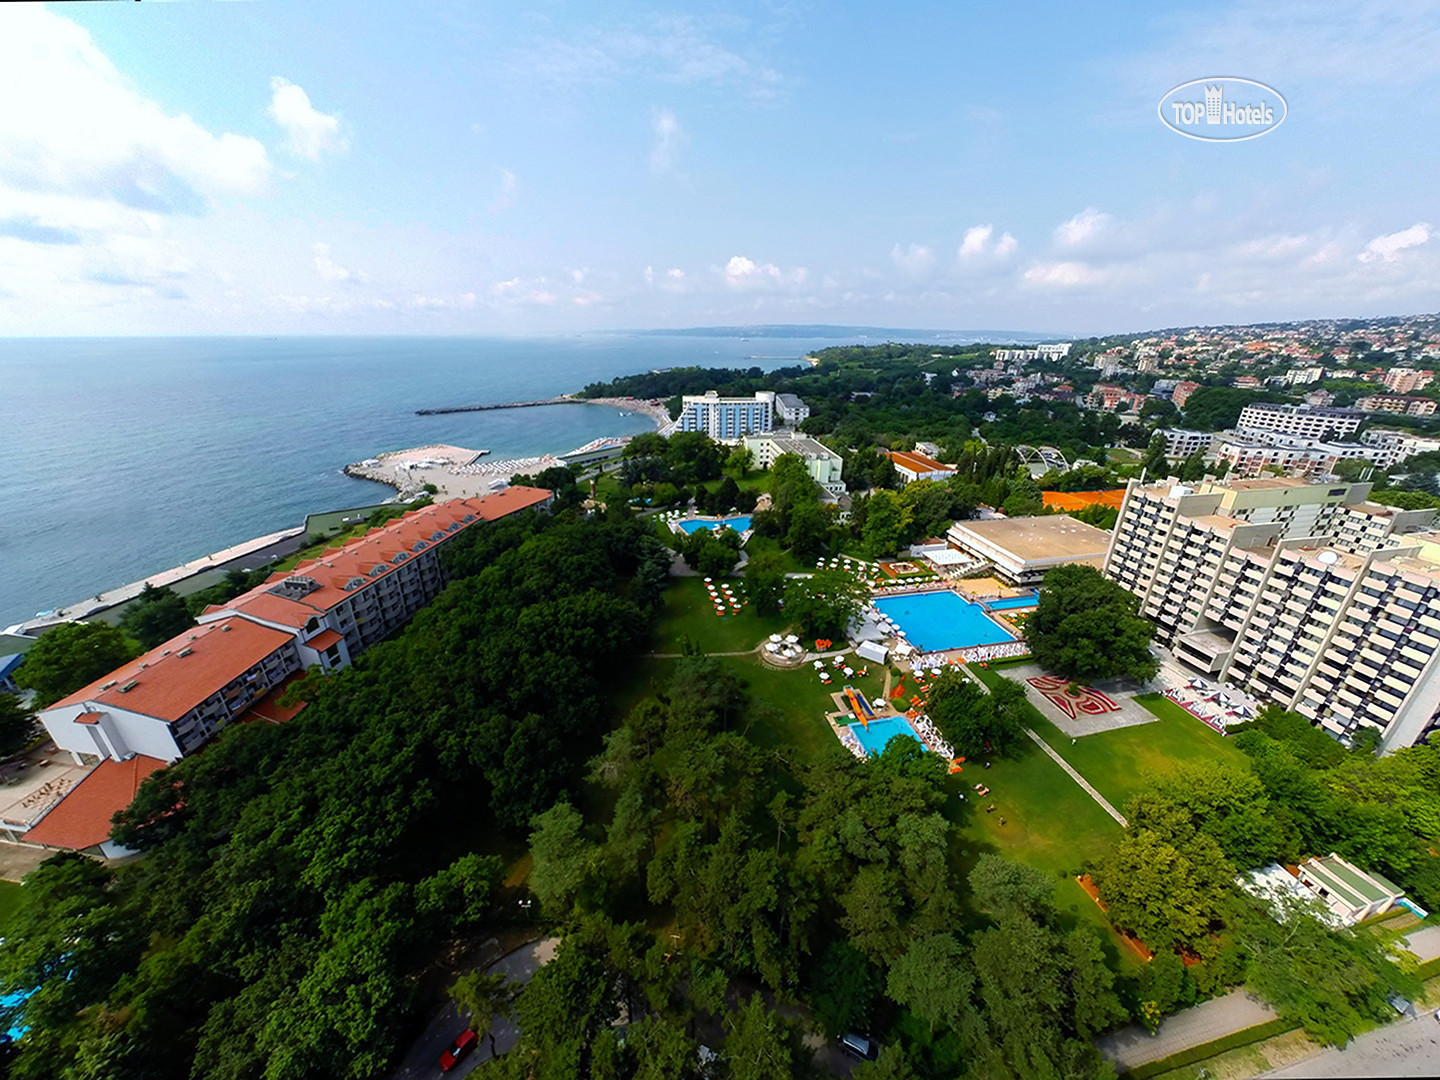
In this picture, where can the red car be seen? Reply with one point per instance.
(463, 1045)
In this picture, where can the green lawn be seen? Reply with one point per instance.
(1122, 763)
(689, 615)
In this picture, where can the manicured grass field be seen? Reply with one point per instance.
(1122, 763)
(689, 615)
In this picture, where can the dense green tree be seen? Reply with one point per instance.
(891, 1064)
(563, 858)
(887, 519)
(17, 725)
(824, 604)
(998, 886)
(765, 581)
(71, 656)
(1086, 627)
(932, 979)
(486, 999)
(155, 616)
(844, 986)
(1169, 896)
(972, 721)
(759, 1045)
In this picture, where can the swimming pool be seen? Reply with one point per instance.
(881, 732)
(1013, 602)
(739, 524)
(935, 621)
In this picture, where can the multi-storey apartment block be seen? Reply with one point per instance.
(731, 419)
(1182, 442)
(324, 613)
(1294, 454)
(1397, 403)
(1404, 380)
(1298, 420)
(1307, 595)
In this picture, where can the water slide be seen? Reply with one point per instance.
(859, 706)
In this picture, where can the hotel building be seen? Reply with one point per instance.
(1298, 420)
(731, 419)
(325, 612)
(1304, 594)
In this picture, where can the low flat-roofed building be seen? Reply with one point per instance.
(1350, 893)
(822, 463)
(913, 465)
(1024, 549)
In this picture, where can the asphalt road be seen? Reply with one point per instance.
(1407, 1048)
(423, 1059)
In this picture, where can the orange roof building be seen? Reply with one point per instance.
(322, 614)
(81, 821)
(913, 466)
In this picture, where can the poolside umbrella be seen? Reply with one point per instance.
(774, 637)
(707, 581)
(820, 664)
(791, 639)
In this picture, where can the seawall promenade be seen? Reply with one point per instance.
(655, 410)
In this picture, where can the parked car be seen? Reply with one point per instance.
(859, 1046)
(463, 1045)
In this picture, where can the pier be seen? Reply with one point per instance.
(501, 405)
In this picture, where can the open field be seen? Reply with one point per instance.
(688, 615)
(1121, 763)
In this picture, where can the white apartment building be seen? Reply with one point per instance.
(1405, 380)
(731, 419)
(822, 463)
(1182, 442)
(1303, 594)
(1250, 456)
(1397, 403)
(1298, 420)
(1390, 447)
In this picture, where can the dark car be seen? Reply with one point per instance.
(463, 1045)
(859, 1046)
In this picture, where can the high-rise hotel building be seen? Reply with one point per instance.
(1304, 594)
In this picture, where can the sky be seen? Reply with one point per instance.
(482, 168)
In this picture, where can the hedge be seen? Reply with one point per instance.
(1208, 1050)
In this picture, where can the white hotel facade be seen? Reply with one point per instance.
(731, 419)
(1304, 594)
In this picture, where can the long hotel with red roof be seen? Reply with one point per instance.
(323, 613)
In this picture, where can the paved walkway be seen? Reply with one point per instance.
(1089, 789)
(1424, 943)
(1210, 1020)
(1104, 803)
(1405, 1048)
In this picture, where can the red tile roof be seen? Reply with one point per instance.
(324, 640)
(269, 710)
(82, 819)
(173, 678)
(918, 463)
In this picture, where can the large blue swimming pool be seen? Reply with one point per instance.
(739, 524)
(880, 732)
(935, 621)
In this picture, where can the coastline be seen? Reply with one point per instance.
(463, 474)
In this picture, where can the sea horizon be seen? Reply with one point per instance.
(132, 455)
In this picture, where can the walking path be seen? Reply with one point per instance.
(1404, 1048)
(1104, 803)
(1085, 784)
(1210, 1020)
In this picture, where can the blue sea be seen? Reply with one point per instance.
(124, 457)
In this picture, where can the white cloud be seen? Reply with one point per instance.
(977, 243)
(75, 126)
(330, 270)
(1388, 247)
(1084, 226)
(668, 140)
(916, 261)
(505, 197)
(1063, 275)
(312, 133)
(743, 273)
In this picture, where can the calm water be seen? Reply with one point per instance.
(124, 457)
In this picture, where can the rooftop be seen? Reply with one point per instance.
(171, 679)
(1054, 536)
(917, 462)
(82, 819)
